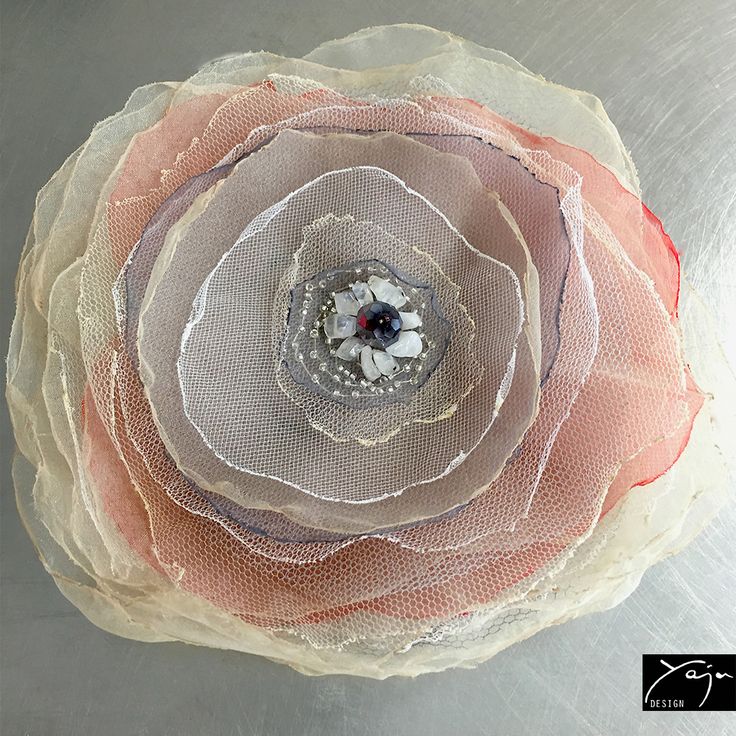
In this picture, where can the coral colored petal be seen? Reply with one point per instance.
(157, 148)
(656, 460)
(119, 499)
(636, 228)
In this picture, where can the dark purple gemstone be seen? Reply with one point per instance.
(379, 324)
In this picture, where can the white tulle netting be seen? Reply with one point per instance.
(250, 423)
(197, 462)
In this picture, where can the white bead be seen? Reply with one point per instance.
(346, 303)
(362, 293)
(385, 291)
(340, 326)
(410, 320)
(385, 363)
(368, 366)
(350, 349)
(409, 345)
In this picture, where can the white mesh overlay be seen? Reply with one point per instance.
(248, 424)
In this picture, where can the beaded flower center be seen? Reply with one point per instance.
(364, 334)
(374, 331)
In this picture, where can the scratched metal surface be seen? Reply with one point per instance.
(665, 70)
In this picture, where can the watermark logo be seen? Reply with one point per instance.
(689, 682)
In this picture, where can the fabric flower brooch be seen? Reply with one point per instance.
(368, 362)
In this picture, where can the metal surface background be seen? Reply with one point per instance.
(666, 73)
